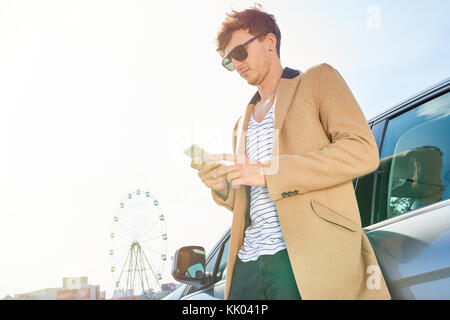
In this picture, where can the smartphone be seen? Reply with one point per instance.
(197, 151)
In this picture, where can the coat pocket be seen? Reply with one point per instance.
(331, 216)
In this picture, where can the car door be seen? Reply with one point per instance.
(405, 203)
(216, 265)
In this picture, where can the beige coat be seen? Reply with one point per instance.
(321, 143)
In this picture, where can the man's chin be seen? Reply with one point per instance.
(251, 81)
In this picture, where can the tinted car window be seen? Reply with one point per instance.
(365, 185)
(414, 166)
(222, 267)
(377, 131)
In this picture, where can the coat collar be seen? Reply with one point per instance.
(288, 73)
(285, 91)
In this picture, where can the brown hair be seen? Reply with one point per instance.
(254, 19)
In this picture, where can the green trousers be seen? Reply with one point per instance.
(270, 277)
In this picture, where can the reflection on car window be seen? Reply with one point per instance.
(222, 268)
(196, 271)
(414, 168)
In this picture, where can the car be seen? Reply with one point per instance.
(404, 206)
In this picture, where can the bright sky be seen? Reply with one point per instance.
(100, 98)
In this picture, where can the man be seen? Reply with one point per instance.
(296, 230)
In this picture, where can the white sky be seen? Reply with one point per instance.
(99, 98)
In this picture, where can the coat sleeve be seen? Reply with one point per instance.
(228, 202)
(352, 151)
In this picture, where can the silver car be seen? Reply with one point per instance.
(404, 207)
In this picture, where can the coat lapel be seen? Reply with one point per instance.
(242, 129)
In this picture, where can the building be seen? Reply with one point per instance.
(76, 288)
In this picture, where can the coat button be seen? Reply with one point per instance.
(290, 193)
(284, 194)
(295, 192)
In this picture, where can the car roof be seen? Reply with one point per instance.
(416, 98)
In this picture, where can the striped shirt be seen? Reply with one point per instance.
(263, 236)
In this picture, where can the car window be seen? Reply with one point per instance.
(365, 184)
(415, 163)
(377, 131)
(222, 266)
(414, 166)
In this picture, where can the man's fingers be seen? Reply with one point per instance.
(236, 183)
(207, 177)
(220, 186)
(224, 170)
(215, 174)
(211, 182)
(233, 175)
(207, 167)
(196, 163)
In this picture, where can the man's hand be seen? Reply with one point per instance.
(208, 174)
(245, 171)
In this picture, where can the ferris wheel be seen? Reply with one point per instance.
(138, 245)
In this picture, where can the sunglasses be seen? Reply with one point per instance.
(238, 53)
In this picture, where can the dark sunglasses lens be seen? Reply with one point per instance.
(239, 53)
(226, 62)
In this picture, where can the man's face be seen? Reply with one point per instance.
(257, 64)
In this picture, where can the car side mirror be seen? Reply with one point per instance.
(189, 265)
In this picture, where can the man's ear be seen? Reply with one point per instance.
(271, 41)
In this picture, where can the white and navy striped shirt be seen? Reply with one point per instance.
(264, 235)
